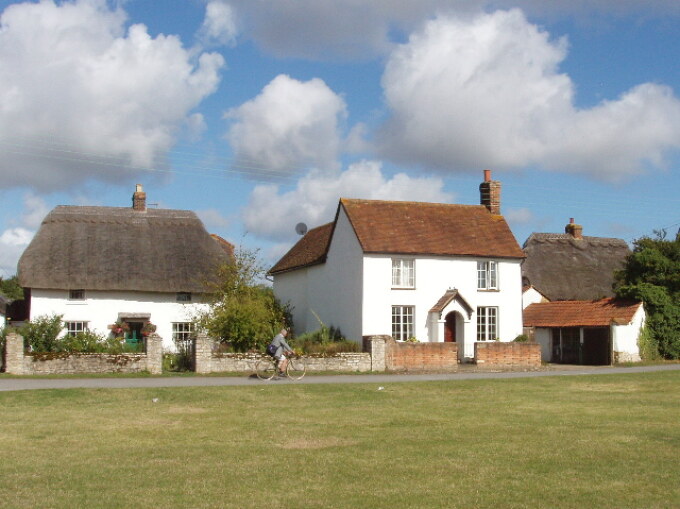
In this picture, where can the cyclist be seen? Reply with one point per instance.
(282, 348)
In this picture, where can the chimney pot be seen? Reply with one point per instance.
(487, 175)
(573, 229)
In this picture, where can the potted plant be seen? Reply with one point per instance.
(119, 328)
(148, 328)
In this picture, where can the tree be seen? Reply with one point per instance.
(10, 288)
(652, 275)
(242, 309)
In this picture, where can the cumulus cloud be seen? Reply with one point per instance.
(291, 124)
(12, 243)
(219, 26)
(81, 95)
(359, 29)
(487, 92)
(273, 214)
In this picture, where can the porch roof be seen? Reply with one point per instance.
(579, 313)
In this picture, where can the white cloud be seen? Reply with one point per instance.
(81, 96)
(360, 29)
(518, 216)
(12, 243)
(219, 26)
(273, 214)
(212, 218)
(291, 124)
(487, 92)
(35, 211)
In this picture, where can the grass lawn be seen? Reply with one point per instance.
(586, 441)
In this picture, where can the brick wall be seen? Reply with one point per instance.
(497, 354)
(421, 357)
(18, 362)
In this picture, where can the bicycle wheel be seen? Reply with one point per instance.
(265, 369)
(296, 368)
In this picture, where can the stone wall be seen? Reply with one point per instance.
(496, 354)
(17, 362)
(207, 361)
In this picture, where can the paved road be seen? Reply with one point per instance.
(19, 384)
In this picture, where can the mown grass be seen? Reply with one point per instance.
(556, 442)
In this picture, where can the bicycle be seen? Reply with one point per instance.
(267, 368)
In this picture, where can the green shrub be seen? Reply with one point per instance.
(84, 342)
(326, 348)
(522, 338)
(649, 347)
(41, 333)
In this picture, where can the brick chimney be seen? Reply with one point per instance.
(139, 199)
(490, 193)
(573, 229)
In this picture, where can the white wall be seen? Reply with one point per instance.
(101, 308)
(435, 275)
(532, 296)
(331, 290)
(625, 337)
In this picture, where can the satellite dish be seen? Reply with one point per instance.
(301, 228)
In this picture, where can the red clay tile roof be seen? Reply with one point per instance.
(430, 229)
(580, 313)
(309, 250)
(412, 228)
(446, 299)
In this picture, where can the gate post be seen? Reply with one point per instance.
(377, 347)
(14, 354)
(154, 354)
(202, 353)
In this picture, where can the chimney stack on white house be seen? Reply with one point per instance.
(573, 229)
(139, 199)
(490, 193)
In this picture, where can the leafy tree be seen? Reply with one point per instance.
(242, 309)
(652, 275)
(10, 288)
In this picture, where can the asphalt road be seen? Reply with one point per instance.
(20, 384)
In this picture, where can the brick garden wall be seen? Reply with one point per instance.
(497, 354)
(420, 357)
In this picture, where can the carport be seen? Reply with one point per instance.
(585, 332)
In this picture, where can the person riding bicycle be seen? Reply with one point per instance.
(282, 348)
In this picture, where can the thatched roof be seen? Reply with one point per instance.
(562, 267)
(113, 248)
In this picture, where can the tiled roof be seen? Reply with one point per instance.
(430, 229)
(310, 250)
(446, 299)
(579, 313)
(411, 228)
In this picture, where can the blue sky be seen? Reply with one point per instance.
(260, 114)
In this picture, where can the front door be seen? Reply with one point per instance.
(450, 328)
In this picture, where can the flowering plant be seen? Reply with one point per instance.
(119, 327)
(148, 328)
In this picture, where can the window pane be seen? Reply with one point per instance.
(402, 322)
(481, 275)
(73, 328)
(492, 276)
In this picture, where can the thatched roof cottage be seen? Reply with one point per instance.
(100, 265)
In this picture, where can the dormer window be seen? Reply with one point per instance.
(183, 296)
(403, 273)
(76, 295)
(487, 275)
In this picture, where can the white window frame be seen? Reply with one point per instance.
(403, 273)
(182, 331)
(403, 322)
(74, 327)
(487, 323)
(487, 275)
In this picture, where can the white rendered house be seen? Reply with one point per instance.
(434, 272)
(99, 265)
